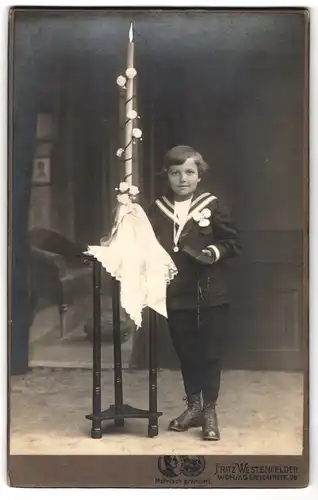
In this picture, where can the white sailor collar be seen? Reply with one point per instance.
(198, 203)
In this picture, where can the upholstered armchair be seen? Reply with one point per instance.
(57, 274)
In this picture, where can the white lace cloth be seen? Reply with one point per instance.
(134, 256)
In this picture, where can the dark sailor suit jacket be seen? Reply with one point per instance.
(200, 280)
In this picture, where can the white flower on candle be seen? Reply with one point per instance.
(126, 193)
(131, 73)
(132, 114)
(120, 152)
(121, 80)
(123, 187)
(134, 190)
(123, 198)
(136, 132)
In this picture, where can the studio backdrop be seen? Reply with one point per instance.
(233, 86)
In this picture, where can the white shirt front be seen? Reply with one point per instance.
(181, 209)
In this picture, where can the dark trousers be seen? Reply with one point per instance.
(199, 344)
(202, 378)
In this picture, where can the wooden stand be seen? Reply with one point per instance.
(119, 411)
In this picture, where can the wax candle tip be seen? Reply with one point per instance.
(131, 33)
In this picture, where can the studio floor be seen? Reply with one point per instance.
(48, 349)
(259, 413)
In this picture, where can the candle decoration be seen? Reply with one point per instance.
(121, 81)
(131, 115)
(131, 73)
(136, 132)
(140, 273)
(132, 132)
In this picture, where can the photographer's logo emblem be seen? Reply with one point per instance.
(188, 465)
(170, 465)
(193, 465)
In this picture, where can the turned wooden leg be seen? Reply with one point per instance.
(63, 308)
(118, 378)
(96, 432)
(153, 428)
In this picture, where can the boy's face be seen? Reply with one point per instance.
(183, 179)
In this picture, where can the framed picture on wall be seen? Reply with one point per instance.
(41, 171)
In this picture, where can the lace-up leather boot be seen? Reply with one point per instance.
(210, 428)
(191, 417)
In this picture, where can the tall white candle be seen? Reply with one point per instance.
(129, 107)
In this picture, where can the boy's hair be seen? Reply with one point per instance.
(179, 154)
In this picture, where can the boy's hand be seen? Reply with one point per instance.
(207, 252)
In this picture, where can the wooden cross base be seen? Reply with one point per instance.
(119, 415)
(119, 411)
